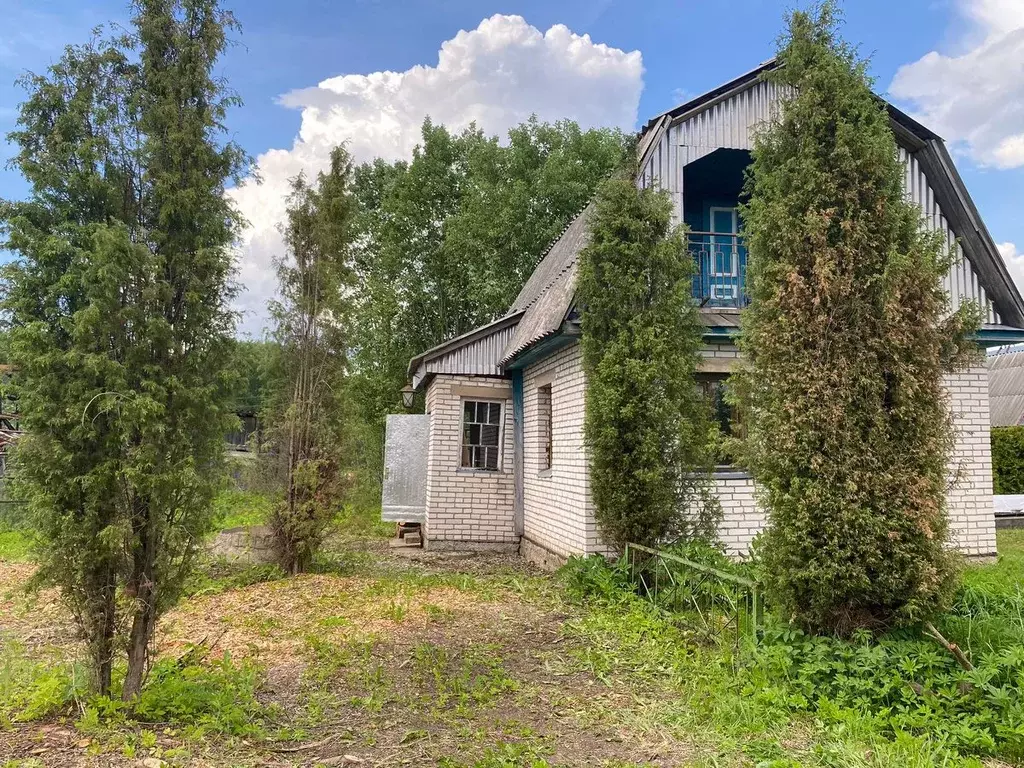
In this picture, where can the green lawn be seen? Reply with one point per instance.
(481, 663)
(14, 545)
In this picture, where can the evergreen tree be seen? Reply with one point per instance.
(846, 341)
(647, 426)
(312, 320)
(120, 324)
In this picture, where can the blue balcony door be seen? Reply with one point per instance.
(727, 258)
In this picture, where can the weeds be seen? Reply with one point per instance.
(34, 689)
(462, 679)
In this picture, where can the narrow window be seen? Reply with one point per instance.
(726, 416)
(481, 434)
(545, 421)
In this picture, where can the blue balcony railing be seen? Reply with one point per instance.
(720, 280)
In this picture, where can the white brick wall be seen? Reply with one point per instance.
(557, 509)
(969, 500)
(742, 518)
(463, 504)
(558, 513)
(970, 507)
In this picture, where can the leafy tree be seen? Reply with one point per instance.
(446, 240)
(312, 320)
(647, 426)
(1008, 459)
(252, 360)
(846, 341)
(119, 318)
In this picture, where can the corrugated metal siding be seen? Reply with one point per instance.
(479, 357)
(1006, 389)
(962, 283)
(733, 123)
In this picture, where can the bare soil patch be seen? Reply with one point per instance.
(428, 660)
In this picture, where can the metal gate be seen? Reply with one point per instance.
(405, 468)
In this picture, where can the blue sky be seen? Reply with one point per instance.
(962, 73)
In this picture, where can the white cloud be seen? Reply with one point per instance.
(497, 75)
(1014, 261)
(974, 98)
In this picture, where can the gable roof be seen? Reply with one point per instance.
(546, 299)
(928, 148)
(548, 294)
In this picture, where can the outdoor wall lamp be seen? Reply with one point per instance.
(408, 393)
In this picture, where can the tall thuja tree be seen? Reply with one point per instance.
(846, 342)
(119, 318)
(647, 426)
(71, 302)
(182, 405)
(312, 320)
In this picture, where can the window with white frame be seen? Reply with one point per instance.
(481, 434)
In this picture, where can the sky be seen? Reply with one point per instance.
(313, 73)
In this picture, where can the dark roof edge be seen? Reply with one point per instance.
(897, 115)
(466, 338)
(714, 93)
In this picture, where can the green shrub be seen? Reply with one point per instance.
(903, 684)
(595, 578)
(32, 690)
(1008, 459)
(217, 696)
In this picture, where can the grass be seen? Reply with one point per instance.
(15, 545)
(480, 664)
(800, 701)
(234, 508)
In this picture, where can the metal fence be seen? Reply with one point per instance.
(716, 605)
(721, 278)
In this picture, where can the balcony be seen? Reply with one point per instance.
(720, 279)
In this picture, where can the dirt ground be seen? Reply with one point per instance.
(397, 661)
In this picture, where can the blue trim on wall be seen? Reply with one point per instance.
(540, 349)
(994, 337)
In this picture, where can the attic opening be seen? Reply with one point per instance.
(712, 191)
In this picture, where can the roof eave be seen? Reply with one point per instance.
(460, 341)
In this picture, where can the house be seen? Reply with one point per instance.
(498, 460)
(1006, 387)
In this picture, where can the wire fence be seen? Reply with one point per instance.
(718, 606)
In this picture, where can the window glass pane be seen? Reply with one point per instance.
(489, 435)
(481, 428)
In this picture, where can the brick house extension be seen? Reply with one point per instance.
(498, 460)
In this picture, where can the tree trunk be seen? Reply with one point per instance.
(143, 585)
